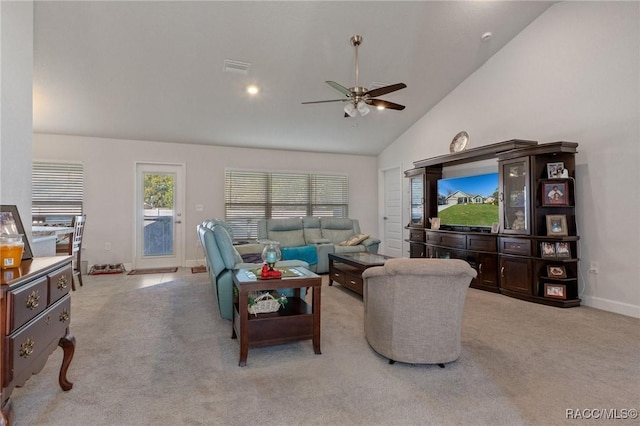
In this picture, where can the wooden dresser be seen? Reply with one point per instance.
(36, 311)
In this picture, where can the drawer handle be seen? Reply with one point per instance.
(502, 272)
(352, 282)
(33, 300)
(64, 316)
(62, 282)
(480, 267)
(26, 348)
(336, 275)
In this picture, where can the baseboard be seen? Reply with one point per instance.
(611, 306)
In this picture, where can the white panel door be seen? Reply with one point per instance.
(392, 213)
(159, 222)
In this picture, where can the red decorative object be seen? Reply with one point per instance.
(270, 273)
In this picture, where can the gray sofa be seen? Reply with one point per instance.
(323, 235)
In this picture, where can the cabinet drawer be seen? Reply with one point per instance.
(25, 346)
(481, 243)
(434, 237)
(26, 302)
(515, 246)
(353, 282)
(59, 283)
(417, 235)
(454, 240)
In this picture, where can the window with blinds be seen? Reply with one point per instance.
(250, 196)
(57, 190)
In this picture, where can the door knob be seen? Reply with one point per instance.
(178, 221)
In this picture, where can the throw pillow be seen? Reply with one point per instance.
(355, 240)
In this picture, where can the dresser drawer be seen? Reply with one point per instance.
(417, 235)
(25, 346)
(26, 302)
(515, 246)
(59, 283)
(434, 237)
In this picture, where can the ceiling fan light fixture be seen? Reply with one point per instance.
(363, 108)
(350, 110)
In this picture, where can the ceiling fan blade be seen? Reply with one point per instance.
(386, 89)
(322, 102)
(385, 104)
(340, 88)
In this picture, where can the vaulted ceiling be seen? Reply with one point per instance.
(153, 70)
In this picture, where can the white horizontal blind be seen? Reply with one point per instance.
(250, 196)
(57, 189)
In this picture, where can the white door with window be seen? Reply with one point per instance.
(392, 213)
(159, 219)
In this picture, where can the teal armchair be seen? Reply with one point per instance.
(222, 258)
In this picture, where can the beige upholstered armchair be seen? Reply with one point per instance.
(413, 309)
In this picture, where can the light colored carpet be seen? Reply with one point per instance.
(162, 355)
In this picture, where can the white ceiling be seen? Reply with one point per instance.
(152, 70)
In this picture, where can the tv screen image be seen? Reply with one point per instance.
(468, 202)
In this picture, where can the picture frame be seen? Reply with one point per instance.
(555, 194)
(563, 250)
(547, 249)
(557, 225)
(435, 222)
(10, 223)
(495, 227)
(556, 271)
(555, 291)
(554, 170)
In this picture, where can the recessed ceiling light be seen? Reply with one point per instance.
(486, 36)
(252, 90)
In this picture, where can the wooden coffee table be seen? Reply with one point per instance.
(347, 268)
(296, 320)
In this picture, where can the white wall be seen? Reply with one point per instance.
(16, 122)
(109, 166)
(572, 75)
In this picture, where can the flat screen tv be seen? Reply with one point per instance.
(468, 203)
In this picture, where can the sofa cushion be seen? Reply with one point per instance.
(355, 240)
(311, 228)
(230, 255)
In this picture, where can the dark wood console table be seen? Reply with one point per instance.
(347, 268)
(36, 311)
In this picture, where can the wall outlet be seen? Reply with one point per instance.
(594, 268)
(107, 246)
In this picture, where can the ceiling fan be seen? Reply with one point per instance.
(359, 98)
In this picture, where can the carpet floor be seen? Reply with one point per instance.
(161, 354)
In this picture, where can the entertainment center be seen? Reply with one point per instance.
(531, 253)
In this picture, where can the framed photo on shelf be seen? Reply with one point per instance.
(563, 250)
(556, 291)
(554, 170)
(548, 249)
(495, 227)
(556, 271)
(435, 222)
(516, 199)
(10, 223)
(557, 225)
(555, 194)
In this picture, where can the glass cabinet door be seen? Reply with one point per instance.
(416, 184)
(514, 197)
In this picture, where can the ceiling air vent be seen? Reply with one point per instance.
(236, 66)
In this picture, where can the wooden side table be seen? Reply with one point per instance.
(296, 320)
